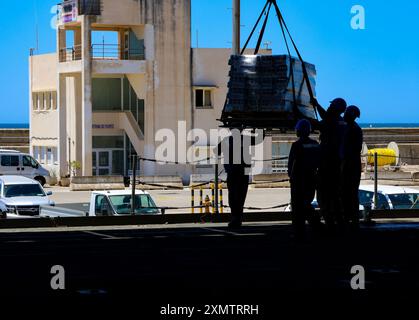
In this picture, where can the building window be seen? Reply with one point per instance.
(41, 105)
(35, 101)
(44, 101)
(54, 100)
(50, 156)
(47, 100)
(36, 153)
(203, 98)
(106, 94)
(279, 152)
(42, 155)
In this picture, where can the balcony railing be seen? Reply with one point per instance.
(116, 52)
(279, 166)
(71, 54)
(101, 52)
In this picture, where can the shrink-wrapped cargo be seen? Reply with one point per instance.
(261, 91)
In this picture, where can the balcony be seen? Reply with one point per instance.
(106, 58)
(105, 51)
(70, 54)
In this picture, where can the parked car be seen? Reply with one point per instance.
(21, 164)
(118, 203)
(3, 211)
(23, 196)
(389, 197)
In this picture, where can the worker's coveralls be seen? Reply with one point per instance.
(302, 170)
(332, 130)
(351, 171)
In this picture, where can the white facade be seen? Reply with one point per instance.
(95, 103)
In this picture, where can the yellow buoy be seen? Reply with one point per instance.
(386, 157)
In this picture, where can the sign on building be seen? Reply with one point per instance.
(68, 11)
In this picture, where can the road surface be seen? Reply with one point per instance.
(198, 264)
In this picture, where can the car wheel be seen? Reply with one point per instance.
(41, 180)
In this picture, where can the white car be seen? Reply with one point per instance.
(389, 197)
(21, 164)
(22, 196)
(3, 211)
(118, 203)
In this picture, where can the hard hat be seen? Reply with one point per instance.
(353, 112)
(338, 105)
(303, 128)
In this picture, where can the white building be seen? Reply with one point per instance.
(96, 101)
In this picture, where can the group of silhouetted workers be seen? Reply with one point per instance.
(331, 167)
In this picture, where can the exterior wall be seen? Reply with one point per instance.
(120, 12)
(44, 128)
(210, 69)
(169, 74)
(43, 72)
(164, 81)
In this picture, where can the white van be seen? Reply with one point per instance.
(15, 163)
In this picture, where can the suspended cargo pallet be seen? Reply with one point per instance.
(268, 92)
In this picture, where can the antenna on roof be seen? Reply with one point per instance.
(267, 44)
(35, 5)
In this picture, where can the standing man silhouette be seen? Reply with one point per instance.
(303, 165)
(351, 166)
(237, 164)
(332, 130)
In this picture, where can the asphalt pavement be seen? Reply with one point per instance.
(197, 264)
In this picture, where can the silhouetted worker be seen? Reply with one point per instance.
(303, 165)
(351, 166)
(332, 130)
(236, 167)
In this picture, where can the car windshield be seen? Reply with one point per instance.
(23, 190)
(366, 198)
(144, 204)
(405, 200)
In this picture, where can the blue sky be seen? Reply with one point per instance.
(376, 68)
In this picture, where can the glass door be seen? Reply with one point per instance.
(102, 162)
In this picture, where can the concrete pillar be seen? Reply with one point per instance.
(61, 44)
(87, 116)
(149, 168)
(62, 134)
(77, 43)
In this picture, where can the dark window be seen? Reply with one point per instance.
(108, 142)
(199, 98)
(10, 161)
(106, 94)
(203, 98)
